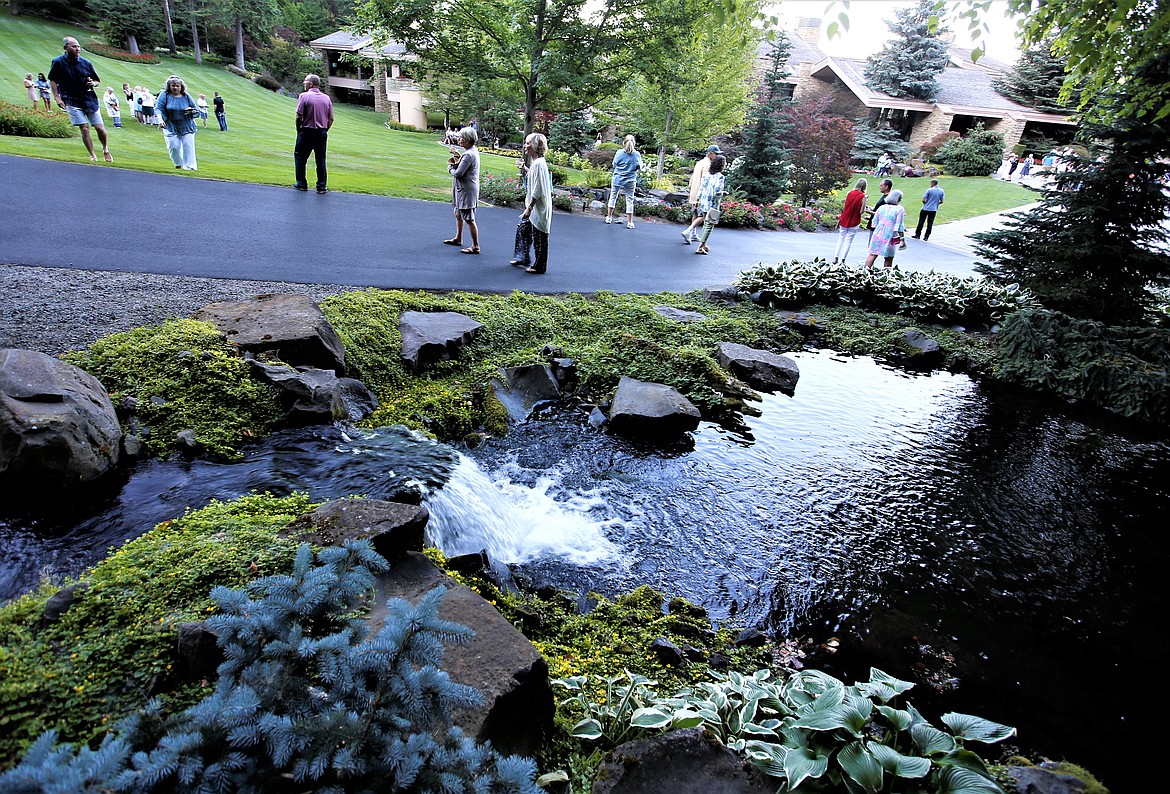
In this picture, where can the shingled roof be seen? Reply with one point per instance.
(363, 43)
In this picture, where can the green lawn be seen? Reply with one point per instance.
(966, 196)
(364, 156)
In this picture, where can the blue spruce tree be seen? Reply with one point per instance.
(306, 700)
(909, 65)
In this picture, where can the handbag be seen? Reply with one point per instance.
(714, 214)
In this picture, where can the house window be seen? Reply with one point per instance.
(964, 124)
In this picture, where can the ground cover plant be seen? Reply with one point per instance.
(183, 374)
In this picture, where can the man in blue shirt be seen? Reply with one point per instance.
(72, 79)
(931, 201)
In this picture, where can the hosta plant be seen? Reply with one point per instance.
(934, 297)
(810, 732)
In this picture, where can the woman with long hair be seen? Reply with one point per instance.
(626, 164)
(177, 113)
(711, 201)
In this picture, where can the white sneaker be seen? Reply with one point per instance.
(686, 238)
(630, 225)
(609, 220)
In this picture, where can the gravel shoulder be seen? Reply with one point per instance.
(54, 310)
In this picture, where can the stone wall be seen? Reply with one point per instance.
(935, 123)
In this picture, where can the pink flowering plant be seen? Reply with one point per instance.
(107, 51)
(501, 191)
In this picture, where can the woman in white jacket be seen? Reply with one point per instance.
(537, 205)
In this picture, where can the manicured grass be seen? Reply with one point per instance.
(364, 156)
(966, 196)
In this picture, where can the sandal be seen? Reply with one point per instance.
(445, 242)
(469, 250)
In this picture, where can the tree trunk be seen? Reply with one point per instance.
(240, 43)
(529, 109)
(195, 32)
(662, 147)
(166, 4)
(132, 44)
(15, 7)
(533, 75)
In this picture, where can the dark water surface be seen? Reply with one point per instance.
(1011, 555)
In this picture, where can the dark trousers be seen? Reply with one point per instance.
(311, 140)
(222, 119)
(927, 217)
(528, 236)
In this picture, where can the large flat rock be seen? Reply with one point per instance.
(292, 327)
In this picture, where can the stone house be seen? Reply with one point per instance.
(358, 72)
(966, 96)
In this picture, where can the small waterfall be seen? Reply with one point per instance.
(515, 522)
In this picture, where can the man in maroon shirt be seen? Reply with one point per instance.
(314, 118)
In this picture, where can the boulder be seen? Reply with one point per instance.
(428, 337)
(1045, 779)
(762, 369)
(667, 652)
(651, 409)
(57, 424)
(679, 315)
(923, 351)
(291, 327)
(315, 396)
(519, 389)
(198, 655)
(752, 638)
(722, 293)
(681, 762)
(61, 602)
(803, 323)
(500, 662)
(393, 527)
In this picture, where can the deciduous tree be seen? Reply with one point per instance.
(819, 147)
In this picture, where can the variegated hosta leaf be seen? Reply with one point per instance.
(586, 729)
(898, 718)
(966, 726)
(752, 729)
(828, 720)
(965, 759)
(801, 764)
(572, 683)
(953, 780)
(768, 757)
(909, 766)
(929, 740)
(862, 767)
(649, 718)
(685, 718)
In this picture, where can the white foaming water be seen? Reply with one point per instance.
(514, 522)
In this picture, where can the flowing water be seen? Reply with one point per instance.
(1007, 554)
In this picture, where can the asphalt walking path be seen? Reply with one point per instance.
(94, 217)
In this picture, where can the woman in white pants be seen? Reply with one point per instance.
(849, 221)
(176, 113)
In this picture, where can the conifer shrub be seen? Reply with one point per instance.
(307, 698)
(980, 153)
(1123, 370)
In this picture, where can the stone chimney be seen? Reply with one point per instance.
(809, 29)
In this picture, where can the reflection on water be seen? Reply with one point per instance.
(896, 511)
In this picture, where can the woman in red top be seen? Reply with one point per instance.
(850, 220)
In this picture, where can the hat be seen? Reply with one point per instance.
(713, 149)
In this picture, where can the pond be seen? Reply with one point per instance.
(1006, 557)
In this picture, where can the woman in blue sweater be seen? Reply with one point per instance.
(626, 164)
(176, 113)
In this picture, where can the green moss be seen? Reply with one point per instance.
(183, 374)
(608, 335)
(100, 661)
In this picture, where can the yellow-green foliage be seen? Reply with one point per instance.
(85, 672)
(203, 383)
(608, 335)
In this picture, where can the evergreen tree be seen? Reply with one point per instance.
(1036, 79)
(762, 174)
(909, 65)
(870, 142)
(306, 700)
(1096, 242)
(978, 153)
(569, 132)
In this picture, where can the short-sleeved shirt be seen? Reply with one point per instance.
(70, 76)
(218, 102)
(314, 110)
(932, 199)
